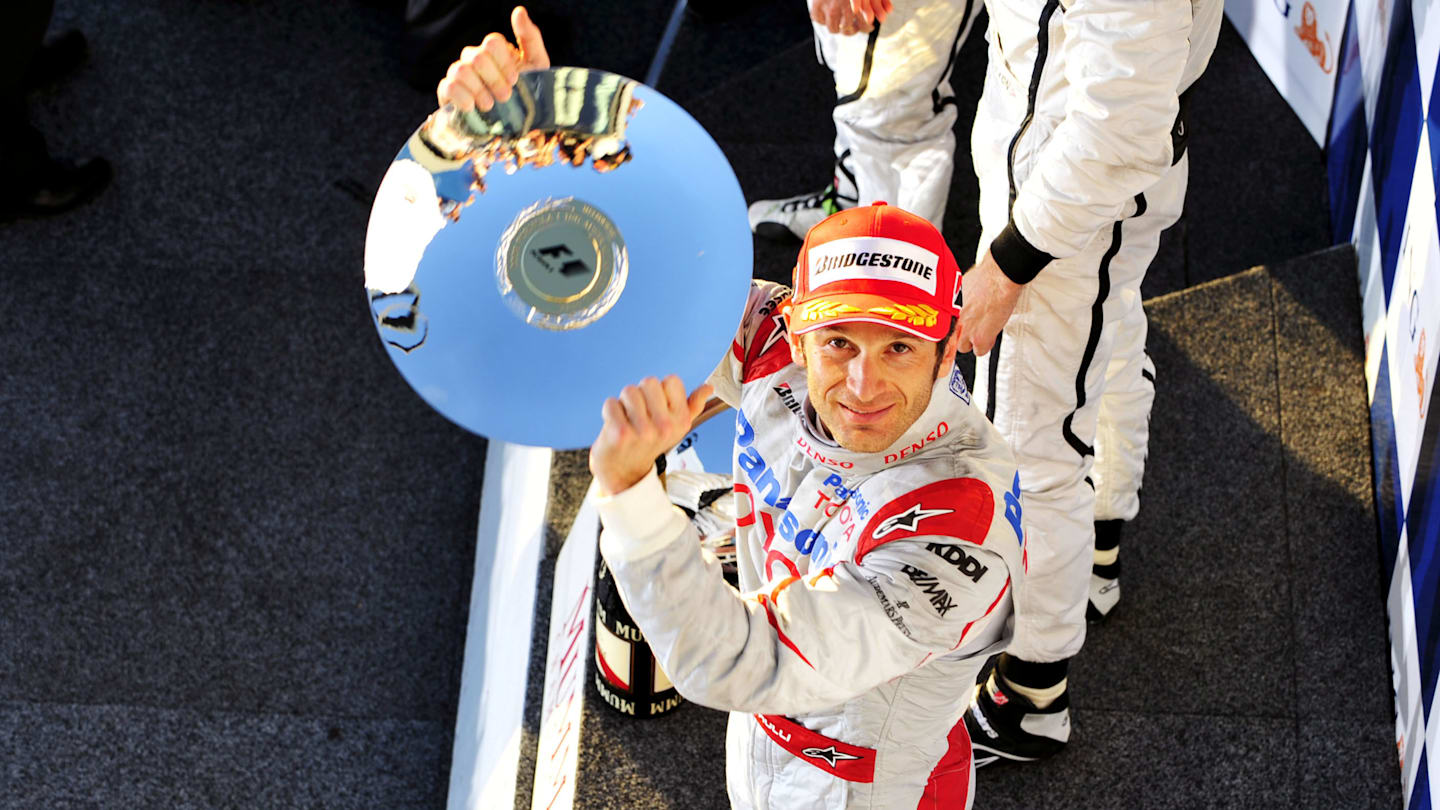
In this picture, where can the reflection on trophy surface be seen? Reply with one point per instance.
(398, 316)
(582, 115)
(563, 115)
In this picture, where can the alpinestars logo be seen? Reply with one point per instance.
(909, 520)
(828, 753)
(775, 336)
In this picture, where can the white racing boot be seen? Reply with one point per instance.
(793, 217)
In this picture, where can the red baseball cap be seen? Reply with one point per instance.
(880, 264)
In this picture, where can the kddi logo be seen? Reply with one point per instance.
(964, 563)
(559, 258)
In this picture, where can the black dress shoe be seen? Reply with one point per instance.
(59, 57)
(61, 186)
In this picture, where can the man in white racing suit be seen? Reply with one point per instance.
(879, 533)
(1079, 144)
(894, 114)
(879, 540)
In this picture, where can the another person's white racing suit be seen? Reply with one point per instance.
(872, 588)
(894, 116)
(894, 107)
(1079, 147)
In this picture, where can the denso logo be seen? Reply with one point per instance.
(905, 452)
(822, 458)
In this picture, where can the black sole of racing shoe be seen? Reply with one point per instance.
(1094, 616)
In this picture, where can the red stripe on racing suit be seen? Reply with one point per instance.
(998, 597)
(949, 784)
(775, 623)
(849, 762)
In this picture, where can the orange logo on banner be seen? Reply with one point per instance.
(1308, 31)
(1420, 372)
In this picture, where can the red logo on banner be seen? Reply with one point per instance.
(1309, 33)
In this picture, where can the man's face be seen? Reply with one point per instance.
(868, 382)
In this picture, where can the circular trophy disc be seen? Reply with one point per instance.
(524, 264)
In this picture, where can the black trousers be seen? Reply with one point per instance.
(22, 30)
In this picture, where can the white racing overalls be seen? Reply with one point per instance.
(1079, 146)
(894, 107)
(872, 588)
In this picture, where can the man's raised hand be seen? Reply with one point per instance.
(646, 420)
(485, 73)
